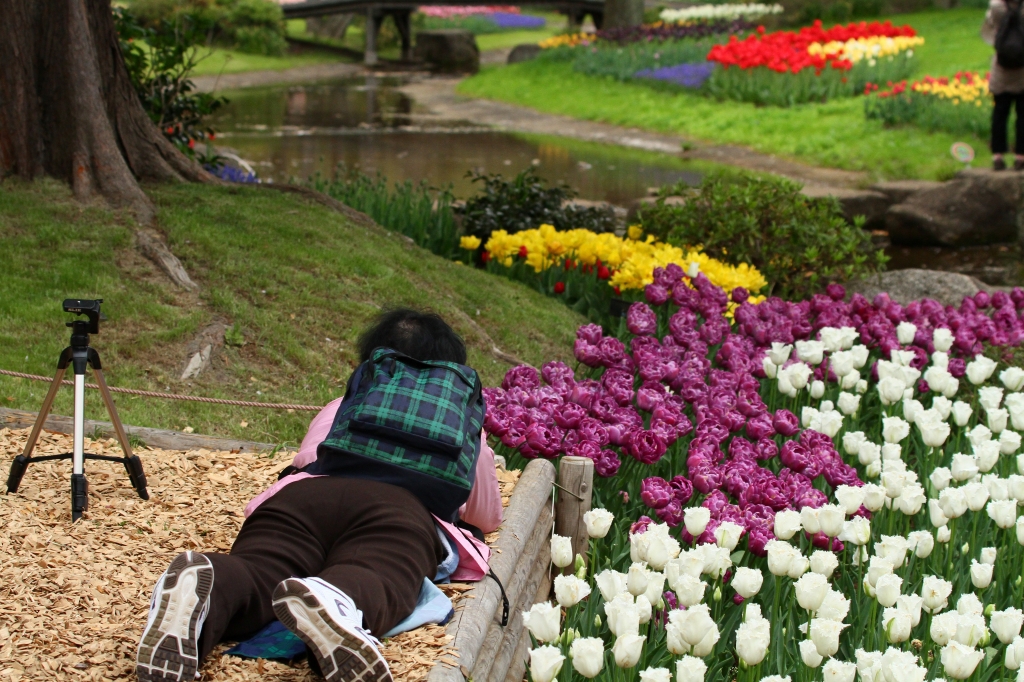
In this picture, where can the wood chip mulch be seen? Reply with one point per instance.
(74, 598)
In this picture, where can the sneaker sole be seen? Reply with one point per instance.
(343, 656)
(169, 650)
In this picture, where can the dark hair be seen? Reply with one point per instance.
(420, 335)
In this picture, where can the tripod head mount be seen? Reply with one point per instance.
(80, 329)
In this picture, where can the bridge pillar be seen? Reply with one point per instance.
(403, 23)
(372, 26)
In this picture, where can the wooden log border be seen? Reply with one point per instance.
(483, 650)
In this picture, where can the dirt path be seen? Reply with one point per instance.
(436, 95)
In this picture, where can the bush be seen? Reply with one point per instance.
(159, 60)
(798, 244)
(525, 203)
(254, 26)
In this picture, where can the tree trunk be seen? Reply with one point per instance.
(623, 13)
(68, 108)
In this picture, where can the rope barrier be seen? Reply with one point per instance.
(171, 396)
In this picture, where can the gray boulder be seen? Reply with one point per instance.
(448, 50)
(904, 286)
(977, 207)
(899, 191)
(523, 53)
(855, 202)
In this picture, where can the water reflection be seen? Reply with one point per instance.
(293, 132)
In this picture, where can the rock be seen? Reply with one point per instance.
(619, 214)
(523, 53)
(855, 202)
(649, 201)
(448, 50)
(977, 207)
(899, 191)
(904, 286)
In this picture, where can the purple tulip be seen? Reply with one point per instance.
(671, 514)
(682, 489)
(594, 431)
(608, 465)
(586, 353)
(558, 374)
(645, 446)
(523, 376)
(583, 393)
(640, 525)
(766, 449)
(641, 320)
(656, 492)
(656, 294)
(785, 422)
(795, 456)
(569, 416)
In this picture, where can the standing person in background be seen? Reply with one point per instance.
(1004, 30)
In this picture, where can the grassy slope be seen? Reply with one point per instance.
(833, 134)
(298, 280)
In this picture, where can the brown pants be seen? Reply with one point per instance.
(374, 541)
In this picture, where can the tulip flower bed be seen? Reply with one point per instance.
(957, 105)
(704, 12)
(657, 32)
(813, 64)
(586, 268)
(804, 491)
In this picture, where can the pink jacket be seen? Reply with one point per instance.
(482, 509)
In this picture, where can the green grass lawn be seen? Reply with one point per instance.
(298, 281)
(219, 60)
(834, 134)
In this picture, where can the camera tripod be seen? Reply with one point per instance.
(79, 355)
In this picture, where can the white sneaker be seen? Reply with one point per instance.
(169, 648)
(327, 620)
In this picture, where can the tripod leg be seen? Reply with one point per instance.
(132, 463)
(21, 462)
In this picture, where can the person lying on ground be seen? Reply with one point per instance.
(341, 558)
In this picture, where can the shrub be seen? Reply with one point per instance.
(254, 26)
(525, 203)
(798, 244)
(159, 60)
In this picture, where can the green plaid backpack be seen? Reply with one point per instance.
(414, 424)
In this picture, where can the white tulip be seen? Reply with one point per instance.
(1012, 378)
(825, 635)
(752, 639)
(851, 381)
(787, 524)
(887, 589)
(831, 518)
(561, 551)
(716, 560)
(986, 455)
(810, 351)
(877, 567)
(943, 535)
(690, 669)
(706, 645)
(809, 654)
(674, 640)
(1015, 655)
(1007, 623)
(798, 566)
(934, 434)
(935, 591)
(852, 441)
(970, 629)
(997, 420)
(636, 579)
(799, 375)
(891, 451)
(627, 650)
(936, 516)
(894, 429)
(655, 675)
(808, 415)
(905, 332)
(969, 605)
(598, 521)
(779, 353)
(953, 502)
(943, 627)
(964, 467)
(570, 590)
(1009, 442)
(824, 563)
(696, 520)
(1015, 404)
(961, 413)
(980, 369)
(838, 671)
(587, 654)
(860, 354)
(940, 478)
(835, 606)
(644, 609)
(545, 663)
(817, 389)
(543, 621)
(979, 434)
(874, 497)
(938, 378)
(611, 583)
(1016, 485)
(922, 543)
(811, 589)
(942, 405)
(689, 590)
(942, 339)
(981, 574)
(990, 397)
(894, 548)
(911, 499)
(728, 535)
(780, 556)
(809, 520)
(1003, 512)
(861, 386)
(890, 390)
(911, 605)
(869, 665)
(747, 581)
(831, 338)
(897, 625)
(976, 494)
(988, 555)
(770, 369)
(959, 661)
(655, 586)
(998, 488)
(856, 531)
(622, 615)
(696, 622)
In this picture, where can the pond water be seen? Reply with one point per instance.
(292, 132)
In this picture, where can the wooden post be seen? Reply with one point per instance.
(576, 481)
(370, 54)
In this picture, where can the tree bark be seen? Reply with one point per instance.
(623, 13)
(68, 108)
